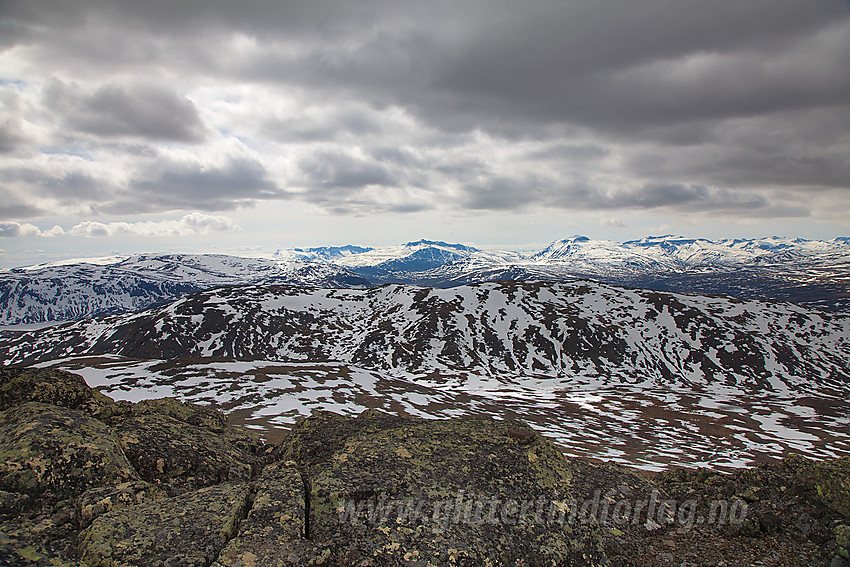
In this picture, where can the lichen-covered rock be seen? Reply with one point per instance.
(40, 537)
(403, 491)
(180, 456)
(318, 438)
(193, 414)
(17, 553)
(831, 480)
(842, 538)
(373, 490)
(98, 501)
(13, 503)
(56, 387)
(56, 452)
(186, 531)
(272, 534)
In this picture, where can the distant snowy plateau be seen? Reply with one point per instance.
(580, 340)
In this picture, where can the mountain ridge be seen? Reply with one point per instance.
(809, 272)
(497, 328)
(72, 291)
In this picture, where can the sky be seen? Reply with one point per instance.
(243, 127)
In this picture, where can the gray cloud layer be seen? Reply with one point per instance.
(724, 107)
(143, 111)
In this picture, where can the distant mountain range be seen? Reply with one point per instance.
(78, 289)
(809, 272)
(555, 329)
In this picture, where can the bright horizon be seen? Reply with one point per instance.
(248, 252)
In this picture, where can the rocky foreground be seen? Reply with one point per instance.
(85, 480)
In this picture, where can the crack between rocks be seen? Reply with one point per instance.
(308, 487)
(244, 511)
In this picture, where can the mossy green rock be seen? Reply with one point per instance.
(389, 490)
(271, 535)
(180, 456)
(56, 452)
(186, 531)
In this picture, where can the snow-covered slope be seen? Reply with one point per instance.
(504, 329)
(581, 255)
(65, 291)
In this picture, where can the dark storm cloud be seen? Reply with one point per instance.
(12, 207)
(12, 34)
(604, 64)
(65, 188)
(12, 210)
(335, 124)
(11, 135)
(611, 64)
(339, 172)
(504, 194)
(141, 111)
(571, 152)
(187, 15)
(687, 198)
(192, 186)
(517, 194)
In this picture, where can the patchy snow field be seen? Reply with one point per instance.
(632, 424)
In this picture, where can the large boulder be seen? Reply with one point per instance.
(248, 442)
(179, 456)
(273, 533)
(97, 501)
(63, 463)
(831, 480)
(186, 531)
(55, 452)
(193, 414)
(55, 387)
(386, 490)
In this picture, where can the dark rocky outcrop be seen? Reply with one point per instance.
(69, 455)
(86, 481)
(55, 387)
(180, 456)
